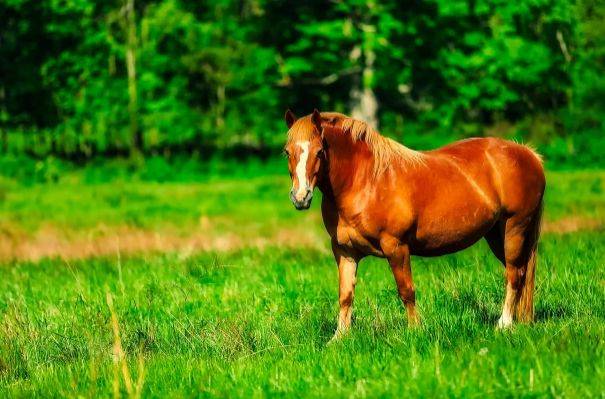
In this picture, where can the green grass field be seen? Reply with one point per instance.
(245, 317)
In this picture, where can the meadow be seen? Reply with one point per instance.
(215, 286)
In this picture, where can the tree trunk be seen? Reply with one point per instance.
(220, 106)
(131, 67)
(3, 120)
(364, 105)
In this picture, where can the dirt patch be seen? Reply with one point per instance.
(50, 242)
(572, 224)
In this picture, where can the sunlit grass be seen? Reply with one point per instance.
(255, 322)
(251, 202)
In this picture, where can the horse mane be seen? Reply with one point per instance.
(384, 149)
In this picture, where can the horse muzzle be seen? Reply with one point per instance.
(301, 200)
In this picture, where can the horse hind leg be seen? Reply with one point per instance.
(495, 240)
(511, 299)
(520, 245)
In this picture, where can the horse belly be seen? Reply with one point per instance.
(451, 232)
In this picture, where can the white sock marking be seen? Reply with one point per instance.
(506, 320)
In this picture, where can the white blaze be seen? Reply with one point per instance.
(301, 170)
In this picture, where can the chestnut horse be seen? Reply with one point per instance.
(381, 198)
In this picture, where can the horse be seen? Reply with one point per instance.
(381, 198)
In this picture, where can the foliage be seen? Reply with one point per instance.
(215, 75)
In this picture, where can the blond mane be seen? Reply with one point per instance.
(384, 149)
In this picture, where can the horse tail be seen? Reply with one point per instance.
(525, 306)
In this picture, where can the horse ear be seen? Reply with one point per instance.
(290, 118)
(316, 119)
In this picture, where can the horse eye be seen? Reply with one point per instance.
(286, 153)
(319, 152)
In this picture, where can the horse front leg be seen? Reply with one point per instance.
(347, 275)
(399, 260)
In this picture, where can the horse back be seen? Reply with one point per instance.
(463, 189)
(514, 172)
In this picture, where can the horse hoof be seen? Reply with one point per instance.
(414, 325)
(503, 325)
(414, 322)
(336, 337)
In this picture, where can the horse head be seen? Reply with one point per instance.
(306, 156)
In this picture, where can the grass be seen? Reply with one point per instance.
(75, 207)
(254, 322)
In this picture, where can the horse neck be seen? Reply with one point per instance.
(350, 165)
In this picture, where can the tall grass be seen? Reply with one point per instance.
(253, 320)
(120, 362)
(256, 323)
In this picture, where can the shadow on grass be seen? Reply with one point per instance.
(552, 313)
